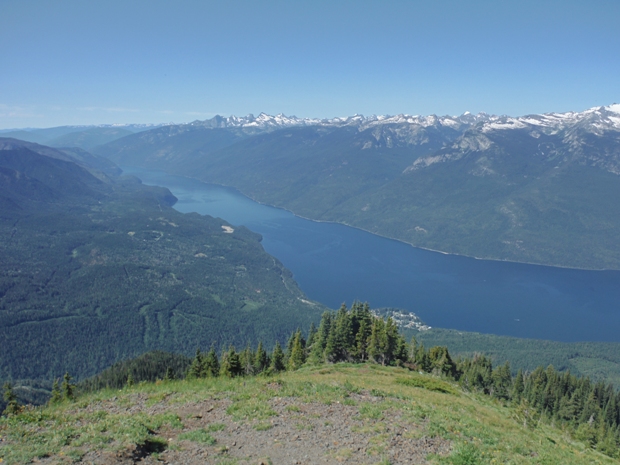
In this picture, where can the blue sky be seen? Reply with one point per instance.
(150, 61)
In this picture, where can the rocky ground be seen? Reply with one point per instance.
(298, 433)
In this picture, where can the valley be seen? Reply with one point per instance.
(97, 268)
(534, 189)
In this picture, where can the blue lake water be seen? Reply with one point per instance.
(334, 263)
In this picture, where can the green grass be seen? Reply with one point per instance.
(430, 384)
(479, 429)
(201, 435)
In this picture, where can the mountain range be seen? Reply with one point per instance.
(537, 188)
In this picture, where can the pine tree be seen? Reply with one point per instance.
(611, 412)
(261, 360)
(441, 362)
(297, 357)
(339, 336)
(317, 353)
(502, 382)
(196, 369)
(231, 365)
(361, 340)
(518, 387)
(590, 412)
(12, 407)
(608, 444)
(289, 347)
(377, 342)
(413, 347)
(56, 395)
(277, 359)
(246, 359)
(67, 388)
(169, 376)
(393, 346)
(211, 364)
(312, 333)
(130, 381)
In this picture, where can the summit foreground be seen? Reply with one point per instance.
(337, 413)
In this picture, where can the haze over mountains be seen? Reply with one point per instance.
(85, 137)
(536, 188)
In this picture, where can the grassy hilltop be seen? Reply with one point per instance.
(338, 413)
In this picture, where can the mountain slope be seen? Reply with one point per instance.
(99, 268)
(89, 138)
(537, 188)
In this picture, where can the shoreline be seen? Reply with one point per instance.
(374, 233)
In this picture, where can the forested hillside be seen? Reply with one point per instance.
(351, 389)
(97, 268)
(536, 189)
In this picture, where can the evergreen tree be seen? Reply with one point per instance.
(375, 347)
(393, 343)
(363, 323)
(56, 395)
(441, 362)
(361, 340)
(312, 333)
(261, 360)
(169, 376)
(231, 365)
(211, 364)
(196, 369)
(130, 381)
(340, 337)
(518, 387)
(12, 407)
(413, 347)
(277, 359)
(246, 359)
(317, 353)
(590, 411)
(566, 409)
(289, 347)
(611, 413)
(421, 359)
(297, 357)
(502, 382)
(67, 388)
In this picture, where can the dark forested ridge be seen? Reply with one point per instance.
(97, 268)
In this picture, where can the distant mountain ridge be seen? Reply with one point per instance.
(85, 137)
(599, 118)
(537, 188)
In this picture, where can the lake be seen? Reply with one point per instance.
(333, 263)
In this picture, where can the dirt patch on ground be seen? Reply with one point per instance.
(294, 433)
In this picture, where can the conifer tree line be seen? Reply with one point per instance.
(348, 335)
(589, 411)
